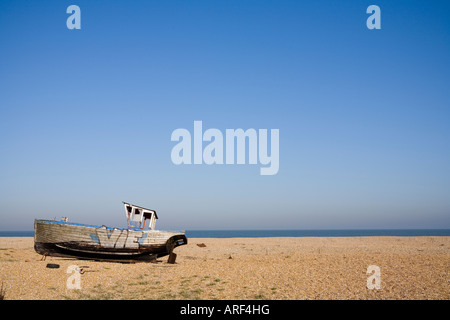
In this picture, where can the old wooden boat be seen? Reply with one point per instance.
(139, 241)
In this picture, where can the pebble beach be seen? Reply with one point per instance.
(301, 268)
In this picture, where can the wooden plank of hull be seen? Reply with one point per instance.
(59, 238)
(49, 250)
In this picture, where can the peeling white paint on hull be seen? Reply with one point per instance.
(59, 238)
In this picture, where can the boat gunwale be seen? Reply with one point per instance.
(60, 222)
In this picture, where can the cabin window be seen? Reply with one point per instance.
(137, 211)
(129, 209)
(147, 215)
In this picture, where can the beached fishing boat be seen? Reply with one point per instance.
(139, 241)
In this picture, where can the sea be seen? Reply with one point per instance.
(287, 233)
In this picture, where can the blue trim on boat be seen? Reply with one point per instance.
(95, 238)
(96, 226)
(78, 224)
(141, 239)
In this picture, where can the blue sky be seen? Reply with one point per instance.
(86, 115)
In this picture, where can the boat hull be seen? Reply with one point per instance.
(58, 238)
